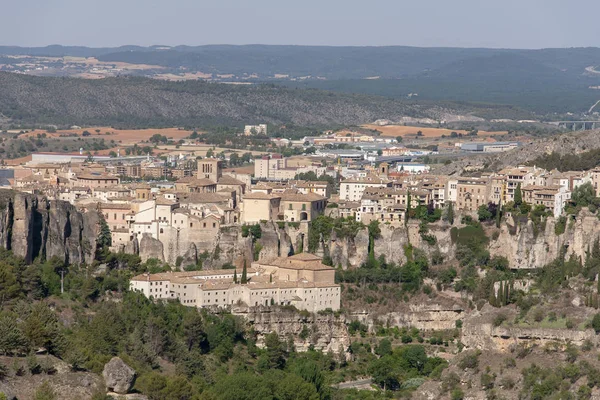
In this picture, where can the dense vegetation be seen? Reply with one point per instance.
(569, 161)
(209, 356)
(139, 102)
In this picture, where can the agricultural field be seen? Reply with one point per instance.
(401, 130)
(124, 136)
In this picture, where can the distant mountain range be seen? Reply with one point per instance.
(545, 81)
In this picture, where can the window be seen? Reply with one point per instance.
(214, 225)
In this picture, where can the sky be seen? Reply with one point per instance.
(428, 23)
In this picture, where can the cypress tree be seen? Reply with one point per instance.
(450, 214)
(518, 195)
(507, 293)
(499, 213)
(501, 294)
(235, 277)
(408, 206)
(244, 274)
(492, 299)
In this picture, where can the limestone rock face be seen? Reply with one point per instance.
(151, 248)
(33, 226)
(348, 251)
(190, 257)
(118, 376)
(326, 331)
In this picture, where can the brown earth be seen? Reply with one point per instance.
(126, 136)
(401, 130)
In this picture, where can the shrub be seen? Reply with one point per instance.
(538, 316)
(570, 324)
(457, 394)
(470, 360)
(498, 320)
(507, 383)
(510, 362)
(596, 323)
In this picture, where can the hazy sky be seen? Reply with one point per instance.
(463, 23)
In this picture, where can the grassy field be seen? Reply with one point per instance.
(124, 137)
(401, 130)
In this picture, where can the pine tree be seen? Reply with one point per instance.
(244, 274)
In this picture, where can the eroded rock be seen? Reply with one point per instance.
(118, 376)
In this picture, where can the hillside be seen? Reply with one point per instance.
(544, 81)
(330, 62)
(139, 102)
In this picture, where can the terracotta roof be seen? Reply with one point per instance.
(230, 180)
(167, 276)
(300, 261)
(295, 196)
(202, 182)
(114, 206)
(201, 198)
(162, 201)
(260, 196)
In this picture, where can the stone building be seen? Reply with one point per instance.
(300, 280)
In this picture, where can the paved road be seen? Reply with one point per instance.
(359, 384)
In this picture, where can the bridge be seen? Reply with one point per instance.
(577, 125)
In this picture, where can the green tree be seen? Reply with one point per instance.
(275, 351)
(596, 323)
(12, 339)
(483, 214)
(450, 213)
(518, 195)
(241, 386)
(399, 139)
(244, 274)
(384, 348)
(386, 373)
(45, 392)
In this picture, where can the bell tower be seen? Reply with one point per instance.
(209, 168)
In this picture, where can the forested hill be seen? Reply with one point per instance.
(137, 102)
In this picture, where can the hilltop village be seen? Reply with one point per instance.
(180, 204)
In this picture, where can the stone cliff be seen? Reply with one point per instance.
(324, 332)
(33, 227)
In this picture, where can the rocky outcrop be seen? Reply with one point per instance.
(526, 245)
(33, 227)
(118, 376)
(323, 332)
(66, 383)
(151, 248)
(190, 257)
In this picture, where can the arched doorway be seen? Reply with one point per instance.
(303, 216)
